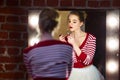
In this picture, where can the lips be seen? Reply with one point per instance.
(70, 27)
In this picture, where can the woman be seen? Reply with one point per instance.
(84, 45)
(49, 59)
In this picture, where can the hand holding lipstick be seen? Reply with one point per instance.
(63, 38)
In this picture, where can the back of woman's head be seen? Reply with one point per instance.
(47, 19)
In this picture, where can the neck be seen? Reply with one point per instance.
(78, 33)
(46, 36)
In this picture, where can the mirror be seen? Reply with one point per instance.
(96, 24)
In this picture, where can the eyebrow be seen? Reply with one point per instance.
(73, 19)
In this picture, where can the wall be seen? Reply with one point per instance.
(13, 29)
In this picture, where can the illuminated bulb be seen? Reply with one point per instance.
(33, 41)
(112, 21)
(112, 44)
(33, 20)
(112, 66)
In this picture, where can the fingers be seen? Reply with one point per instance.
(87, 60)
(69, 37)
(62, 38)
(60, 35)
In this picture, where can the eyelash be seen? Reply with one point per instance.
(72, 22)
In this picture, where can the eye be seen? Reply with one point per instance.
(74, 22)
(69, 21)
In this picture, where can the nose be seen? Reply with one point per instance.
(70, 24)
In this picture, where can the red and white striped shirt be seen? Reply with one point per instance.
(49, 58)
(88, 48)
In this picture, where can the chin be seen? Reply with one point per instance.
(71, 30)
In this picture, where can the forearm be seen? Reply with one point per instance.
(77, 49)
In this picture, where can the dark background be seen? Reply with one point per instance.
(96, 25)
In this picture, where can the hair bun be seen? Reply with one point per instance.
(84, 14)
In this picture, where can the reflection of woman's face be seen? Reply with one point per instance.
(73, 22)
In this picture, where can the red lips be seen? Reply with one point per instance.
(70, 27)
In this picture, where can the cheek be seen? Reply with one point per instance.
(77, 26)
(68, 24)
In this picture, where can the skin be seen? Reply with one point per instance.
(77, 36)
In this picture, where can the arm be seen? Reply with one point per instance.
(70, 66)
(75, 46)
(27, 65)
(88, 52)
(77, 49)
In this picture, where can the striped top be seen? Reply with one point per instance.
(50, 58)
(88, 48)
